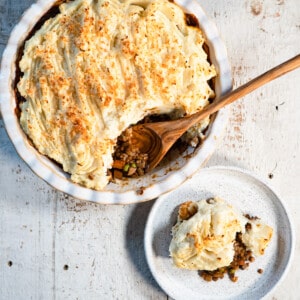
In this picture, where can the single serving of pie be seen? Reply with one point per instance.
(213, 237)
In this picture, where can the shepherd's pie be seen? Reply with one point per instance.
(97, 67)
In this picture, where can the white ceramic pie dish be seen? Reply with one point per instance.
(161, 180)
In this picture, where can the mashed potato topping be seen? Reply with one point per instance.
(99, 66)
(204, 235)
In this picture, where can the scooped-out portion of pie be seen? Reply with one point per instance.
(212, 235)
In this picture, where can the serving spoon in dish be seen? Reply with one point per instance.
(155, 139)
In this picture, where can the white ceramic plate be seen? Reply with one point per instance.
(155, 183)
(245, 192)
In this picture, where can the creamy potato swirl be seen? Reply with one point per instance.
(99, 66)
(204, 239)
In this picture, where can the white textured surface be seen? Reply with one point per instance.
(42, 230)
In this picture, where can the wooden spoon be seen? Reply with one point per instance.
(156, 139)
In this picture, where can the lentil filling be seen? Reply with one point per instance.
(129, 161)
(241, 261)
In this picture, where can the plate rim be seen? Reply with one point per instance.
(147, 231)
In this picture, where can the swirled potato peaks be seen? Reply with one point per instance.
(99, 66)
(204, 235)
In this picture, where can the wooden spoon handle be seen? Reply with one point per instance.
(245, 89)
